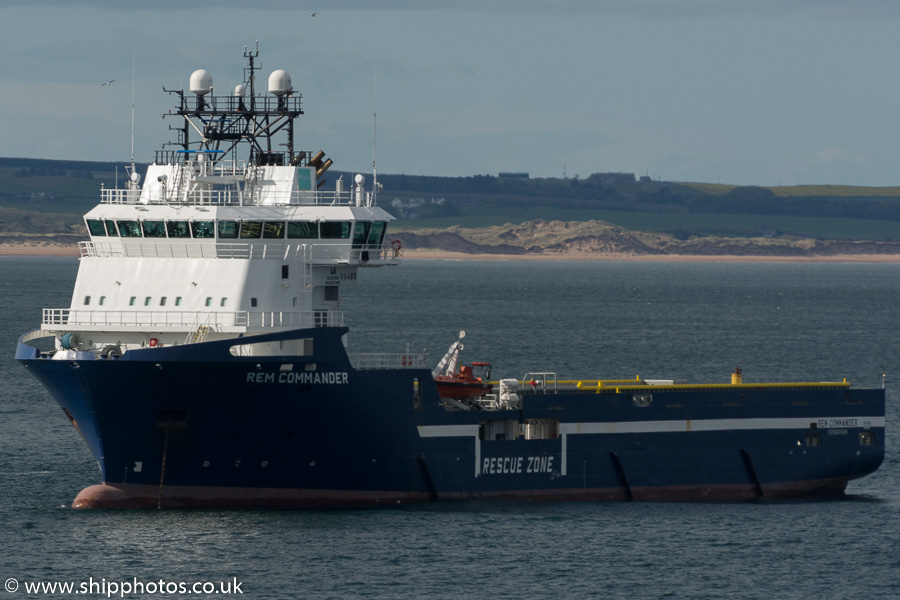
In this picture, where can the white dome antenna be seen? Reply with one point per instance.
(280, 83)
(201, 82)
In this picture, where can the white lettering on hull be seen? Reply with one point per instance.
(314, 378)
(504, 465)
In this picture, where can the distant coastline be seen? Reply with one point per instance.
(557, 240)
(63, 250)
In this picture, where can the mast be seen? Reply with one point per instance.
(221, 123)
(134, 177)
(374, 132)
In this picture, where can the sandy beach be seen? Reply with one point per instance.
(49, 249)
(613, 256)
(38, 249)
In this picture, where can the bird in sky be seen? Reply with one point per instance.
(110, 82)
(312, 14)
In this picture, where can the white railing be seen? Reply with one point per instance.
(232, 197)
(166, 248)
(190, 319)
(389, 361)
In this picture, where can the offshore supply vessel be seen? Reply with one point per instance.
(203, 359)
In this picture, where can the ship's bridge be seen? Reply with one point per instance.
(316, 235)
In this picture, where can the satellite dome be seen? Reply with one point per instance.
(201, 82)
(239, 90)
(280, 83)
(359, 179)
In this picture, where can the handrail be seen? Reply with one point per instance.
(231, 197)
(189, 319)
(389, 361)
(323, 253)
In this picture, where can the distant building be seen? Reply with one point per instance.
(408, 203)
(612, 178)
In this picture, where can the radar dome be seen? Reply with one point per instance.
(201, 82)
(359, 179)
(280, 83)
(239, 90)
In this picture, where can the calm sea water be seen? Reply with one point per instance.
(659, 320)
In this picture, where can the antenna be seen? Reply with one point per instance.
(132, 110)
(374, 131)
(133, 177)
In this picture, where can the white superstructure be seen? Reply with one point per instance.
(214, 245)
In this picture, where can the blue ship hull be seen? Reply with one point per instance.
(195, 425)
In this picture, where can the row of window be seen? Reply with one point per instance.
(148, 301)
(364, 232)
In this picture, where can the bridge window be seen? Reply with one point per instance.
(102, 300)
(95, 227)
(162, 301)
(335, 230)
(302, 230)
(178, 301)
(228, 229)
(111, 228)
(178, 229)
(132, 300)
(87, 300)
(147, 301)
(202, 229)
(129, 228)
(376, 233)
(223, 302)
(273, 230)
(360, 232)
(251, 230)
(208, 301)
(252, 302)
(154, 229)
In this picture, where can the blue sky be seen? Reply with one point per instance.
(752, 93)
